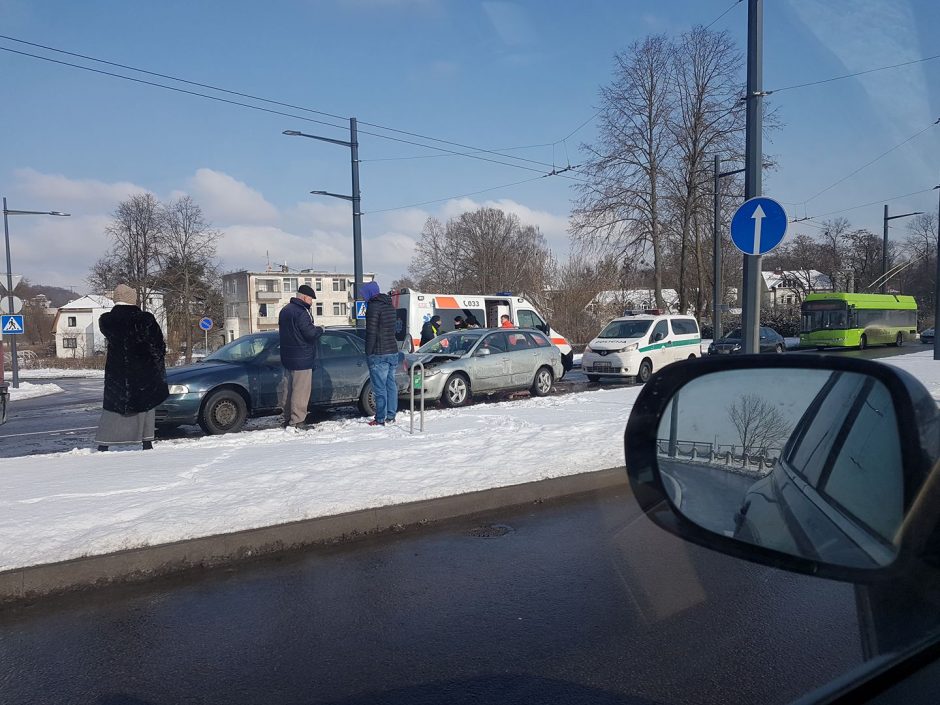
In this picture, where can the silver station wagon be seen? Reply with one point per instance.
(467, 363)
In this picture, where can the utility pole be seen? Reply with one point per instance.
(884, 247)
(718, 293)
(753, 165)
(936, 295)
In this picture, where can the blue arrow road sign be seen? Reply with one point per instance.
(205, 324)
(11, 325)
(360, 310)
(758, 226)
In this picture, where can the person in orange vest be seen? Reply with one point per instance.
(505, 322)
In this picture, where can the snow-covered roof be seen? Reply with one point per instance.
(87, 302)
(797, 279)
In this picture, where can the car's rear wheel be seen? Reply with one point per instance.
(594, 379)
(692, 357)
(225, 411)
(863, 342)
(645, 371)
(456, 391)
(366, 402)
(899, 341)
(779, 348)
(542, 385)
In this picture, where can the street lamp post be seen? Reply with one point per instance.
(355, 198)
(884, 246)
(718, 294)
(14, 364)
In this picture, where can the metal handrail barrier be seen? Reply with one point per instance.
(411, 383)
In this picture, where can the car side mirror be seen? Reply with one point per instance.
(657, 337)
(482, 352)
(817, 465)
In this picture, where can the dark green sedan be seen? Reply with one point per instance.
(240, 380)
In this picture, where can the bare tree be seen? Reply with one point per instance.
(136, 231)
(188, 262)
(759, 423)
(619, 209)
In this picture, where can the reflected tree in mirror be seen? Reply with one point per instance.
(805, 463)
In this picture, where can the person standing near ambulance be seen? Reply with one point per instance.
(381, 352)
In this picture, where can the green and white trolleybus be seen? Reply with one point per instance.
(857, 320)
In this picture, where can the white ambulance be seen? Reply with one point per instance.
(639, 343)
(484, 311)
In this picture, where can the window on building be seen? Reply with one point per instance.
(70, 343)
(290, 284)
(73, 321)
(339, 285)
(307, 281)
(339, 309)
(789, 299)
(231, 310)
(319, 286)
(263, 310)
(268, 286)
(319, 309)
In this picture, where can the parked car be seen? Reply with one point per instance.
(636, 345)
(733, 343)
(467, 363)
(926, 336)
(240, 380)
(4, 399)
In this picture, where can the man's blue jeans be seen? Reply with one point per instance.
(384, 386)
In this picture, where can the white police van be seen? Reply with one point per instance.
(639, 343)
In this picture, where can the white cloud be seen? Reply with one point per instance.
(59, 192)
(58, 251)
(408, 220)
(226, 200)
(553, 227)
(326, 215)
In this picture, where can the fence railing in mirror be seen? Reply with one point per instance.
(725, 454)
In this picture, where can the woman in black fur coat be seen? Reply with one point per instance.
(134, 373)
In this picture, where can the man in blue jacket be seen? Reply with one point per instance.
(299, 339)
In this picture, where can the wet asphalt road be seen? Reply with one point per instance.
(61, 422)
(580, 602)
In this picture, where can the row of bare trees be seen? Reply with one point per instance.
(165, 248)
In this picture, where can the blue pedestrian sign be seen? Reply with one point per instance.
(205, 324)
(11, 325)
(758, 226)
(360, 310)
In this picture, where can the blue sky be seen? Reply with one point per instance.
(487, 74)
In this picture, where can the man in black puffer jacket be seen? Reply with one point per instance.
(299, 340)
(381, 352)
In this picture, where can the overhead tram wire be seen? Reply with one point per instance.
(852, 75)
(868, 164)
(257, 98)
(733, 5)
(261, 108)
(863, 205)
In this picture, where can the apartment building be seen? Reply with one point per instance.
(253, 300)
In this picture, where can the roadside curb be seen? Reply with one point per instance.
(140, 564)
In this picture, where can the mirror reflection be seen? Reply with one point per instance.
(807, 462)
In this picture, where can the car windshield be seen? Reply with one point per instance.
(625, 329)
(241, 350)
(230, 226)
(456, 344)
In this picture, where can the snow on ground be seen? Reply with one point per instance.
(922, 366)
(52, 373)
(60, 506)
(27, 390)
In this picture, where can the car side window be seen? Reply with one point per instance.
(272, 357)
(496, 343)
(332, 345)
(661, 331)
(538, 340)
(529, 319)
(865, 479)
(517, 341)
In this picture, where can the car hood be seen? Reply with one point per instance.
(612, 343)
(202, 371)
(429, 359)
(728, 341)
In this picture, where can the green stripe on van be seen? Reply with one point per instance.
(672, 344)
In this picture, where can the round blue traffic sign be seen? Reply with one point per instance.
(758, 226)
(205, 323)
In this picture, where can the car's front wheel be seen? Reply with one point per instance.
(863, 342)
(899, 341)
(456, 391)
(366, 402)
(779, 348)
(225, 411)
(645, 371)
(542, 384)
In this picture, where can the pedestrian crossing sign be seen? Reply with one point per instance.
(11, 325)
(360, 310)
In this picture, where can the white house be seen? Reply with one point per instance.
(788, 288)
(76, 324)
(613, 303)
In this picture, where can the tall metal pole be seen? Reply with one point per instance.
(884, 254)
(716, 277)
(753, 166)
(936, 296)
(6, 241)
(357, 213)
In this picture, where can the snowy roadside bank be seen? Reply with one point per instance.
(53, 373)
(27, 390)
(62, 506)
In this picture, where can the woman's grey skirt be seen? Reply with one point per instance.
(115, 429)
